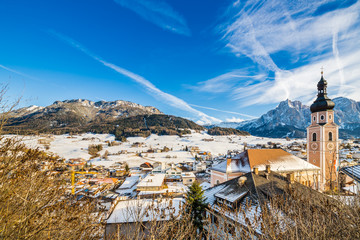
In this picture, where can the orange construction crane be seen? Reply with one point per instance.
(73, 172)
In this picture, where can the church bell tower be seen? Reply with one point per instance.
(322, 137)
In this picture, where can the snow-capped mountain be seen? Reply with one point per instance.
(88, 110)
(77, 112)
(121, 118)
(290, 118)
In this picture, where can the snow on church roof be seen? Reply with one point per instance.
(278, 159)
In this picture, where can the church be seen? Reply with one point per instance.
(318, 172)
(322, 137)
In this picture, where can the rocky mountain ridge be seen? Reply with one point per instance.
(87, 109)
(291, 118)
(121, 118)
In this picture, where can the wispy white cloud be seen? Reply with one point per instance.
(224, 111)
(338, 60)
(173, 101)
(300, 83)
(307, 34)
(29, 77)
(18, 73)
(261, 29)
(234, 119)
(158, 12)
(228, 81)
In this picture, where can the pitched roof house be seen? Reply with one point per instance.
(352, 180)
(278, 160)
(238, 203)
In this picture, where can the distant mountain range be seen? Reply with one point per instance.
(124, 119)
(291, 118)
(121, 118)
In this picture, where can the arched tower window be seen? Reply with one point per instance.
(314, 137)
(330, 136)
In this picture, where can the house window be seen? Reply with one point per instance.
(314, 137)
(190, 180)
(330, 136)
(215, 220)
(231, 228)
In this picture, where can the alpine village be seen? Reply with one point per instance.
(114, 170)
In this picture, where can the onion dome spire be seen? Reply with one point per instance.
(322, 103)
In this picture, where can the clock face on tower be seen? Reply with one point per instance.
(314, 146)
(330, 146)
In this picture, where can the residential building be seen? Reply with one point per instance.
(130, 216)
(277, 160)
(351, 182)
(235, 204)
(173, 170)
(229, 169)
(152, 182)
(188, 178)
(146, 166)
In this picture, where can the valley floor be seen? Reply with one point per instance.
(76, 146)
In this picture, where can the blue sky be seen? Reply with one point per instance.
(207, 60)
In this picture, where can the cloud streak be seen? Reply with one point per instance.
(151, 88)
(224, 111)
(227, 81)
(29, 77)
(18, 73)
(159, 13)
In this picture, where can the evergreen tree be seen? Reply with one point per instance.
(127, 169)
(196, 204)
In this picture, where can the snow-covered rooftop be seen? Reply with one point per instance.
(152, 180)
(172, 187)
(188, 175)
(353, 172)
(231, 197)
(143, 210)
(278, 159)
(239, 163)
(205, 185)
(129, 182)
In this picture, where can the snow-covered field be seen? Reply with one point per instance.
(76, 146)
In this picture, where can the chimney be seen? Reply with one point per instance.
(267, 169)
(242, 180)
(267, 175)
(228, 165)
(290, 177)
(256, 170)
